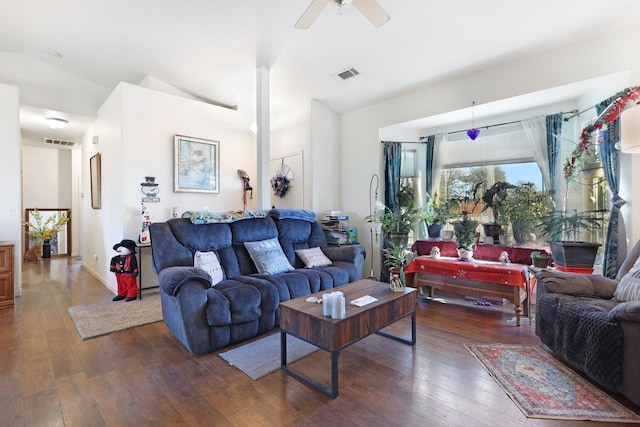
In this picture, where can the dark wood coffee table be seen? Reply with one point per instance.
(304, 320)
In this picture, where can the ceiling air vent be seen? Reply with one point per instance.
(59, 142)
(346, 74)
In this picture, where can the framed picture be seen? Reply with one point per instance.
(196, 165)
(96, 177)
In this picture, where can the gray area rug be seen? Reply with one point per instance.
(262, 357)
(102, 318)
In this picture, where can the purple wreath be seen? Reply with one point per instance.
(280, 185)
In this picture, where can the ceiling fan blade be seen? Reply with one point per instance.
(310, 15)
(372, 11)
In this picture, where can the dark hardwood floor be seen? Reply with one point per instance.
(144, 377)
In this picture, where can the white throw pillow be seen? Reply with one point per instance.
(628, 288)
(208, 261)
(313, 257)
(268, 257)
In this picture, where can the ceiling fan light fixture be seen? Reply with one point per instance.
(56, 123)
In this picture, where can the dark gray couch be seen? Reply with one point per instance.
(244, 303)
(577, 319)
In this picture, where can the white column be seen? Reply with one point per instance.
(263, 121)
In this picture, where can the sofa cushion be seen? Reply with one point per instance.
(268, 257)
(629, 287)
(584, 285)
(313, 257)
(208, 261)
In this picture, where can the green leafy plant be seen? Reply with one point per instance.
(525, 205)
(396, 256)
(440, 210)
(406, 215)
(568, 226)
(465, 230)
(494, 198)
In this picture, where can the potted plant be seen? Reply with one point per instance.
(396, 258)
(396, 224)
(524, 207)
(540, 259)
(465, 230)
(564, 230)
(493, 199)
(47, 230)
(437, 213)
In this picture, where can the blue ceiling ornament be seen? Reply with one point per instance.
(474, 132)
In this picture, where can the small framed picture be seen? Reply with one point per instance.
(196, 165)
(96, 185)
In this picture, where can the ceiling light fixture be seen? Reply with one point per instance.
(473, 132)
(56, 123)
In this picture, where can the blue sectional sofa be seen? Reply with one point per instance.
(244, 303)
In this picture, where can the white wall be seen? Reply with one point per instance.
(324, 159)
(10, 194)
(135, 129)
(46, 177)
(359, 130)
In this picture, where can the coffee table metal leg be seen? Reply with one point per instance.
(329, 391)
(411, 341)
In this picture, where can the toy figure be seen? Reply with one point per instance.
(125, 266)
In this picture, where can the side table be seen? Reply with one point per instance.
(139, 248)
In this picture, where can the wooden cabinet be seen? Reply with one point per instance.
(6, 274)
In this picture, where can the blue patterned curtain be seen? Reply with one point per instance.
(391, 154)
(554, 127)
(431, 141)
(610, 164)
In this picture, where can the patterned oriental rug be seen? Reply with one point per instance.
(543, 387)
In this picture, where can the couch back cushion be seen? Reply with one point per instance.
(250, 230)
(175, 243)
(628, 263)
(297, 234)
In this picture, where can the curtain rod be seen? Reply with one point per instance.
(402, 142)
(501, 124)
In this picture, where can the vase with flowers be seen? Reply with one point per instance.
(46, 230)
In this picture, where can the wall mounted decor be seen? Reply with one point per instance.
(96, 179)
(196, 165)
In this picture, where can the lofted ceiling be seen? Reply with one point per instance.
(211, 48)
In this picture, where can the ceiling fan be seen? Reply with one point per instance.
(369, 8)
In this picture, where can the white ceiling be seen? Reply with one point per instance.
(211, 48)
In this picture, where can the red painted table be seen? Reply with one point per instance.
(517, 254)
(475, 278)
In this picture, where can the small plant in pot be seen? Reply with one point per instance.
(493, 198)
(465, 230)
(525, 207)
(437, 213)
(540, 259)
(396, 257)
(465, 227)
(564, 230)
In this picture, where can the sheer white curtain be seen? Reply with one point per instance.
(438, 158)
(535, 129)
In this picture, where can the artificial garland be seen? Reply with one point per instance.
(280, 185)
(610, 115)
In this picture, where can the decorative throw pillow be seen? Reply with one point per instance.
(629, 287)
(268, 257)
(313, 257)
(208, 261)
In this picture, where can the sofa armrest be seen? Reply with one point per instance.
(628, 311)
(346, 253)
(171, 279)
(586, 285)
